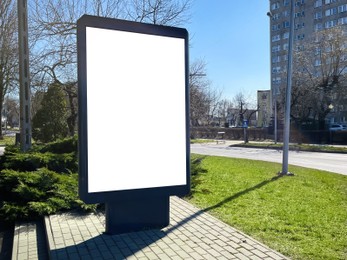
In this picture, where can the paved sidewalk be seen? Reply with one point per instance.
(192, 234)
(29, 241)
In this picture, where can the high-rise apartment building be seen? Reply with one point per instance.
(310, 16)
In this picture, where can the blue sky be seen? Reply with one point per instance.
(232, 37)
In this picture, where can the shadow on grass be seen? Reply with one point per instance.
(227, 200)
(239, 194)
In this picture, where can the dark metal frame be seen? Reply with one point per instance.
(126, 195)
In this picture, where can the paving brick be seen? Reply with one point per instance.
(192, 234)
(275, 255)
(241, 256)
(259, 253)
(213, 252)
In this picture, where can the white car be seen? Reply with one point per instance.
(337, 127)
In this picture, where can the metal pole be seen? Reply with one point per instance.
(275, 118)
(24, 76)
(286, 132)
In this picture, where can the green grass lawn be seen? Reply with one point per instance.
(302, 216)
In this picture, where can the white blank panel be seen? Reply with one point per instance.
(136, 110)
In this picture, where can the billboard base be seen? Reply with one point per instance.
(137, 215)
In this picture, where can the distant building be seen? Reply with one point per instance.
(310, 16)
(264, 108)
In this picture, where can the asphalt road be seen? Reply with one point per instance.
(332, 162)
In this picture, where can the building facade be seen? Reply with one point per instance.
(310, 16)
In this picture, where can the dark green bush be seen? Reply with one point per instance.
(67, 145)
(27, 195)
(50, 121)
(32, 161)
(39, 182)
(59, 156)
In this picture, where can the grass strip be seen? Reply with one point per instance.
(302, 216)
(297, 147)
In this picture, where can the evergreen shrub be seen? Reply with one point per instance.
(39, 182)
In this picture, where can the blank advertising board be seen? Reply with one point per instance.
(133, 110)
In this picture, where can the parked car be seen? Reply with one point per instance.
(337, 127)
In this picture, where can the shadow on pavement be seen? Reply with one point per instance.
(6, 240)
(126, 245)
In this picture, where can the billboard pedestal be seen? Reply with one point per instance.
(136, 215)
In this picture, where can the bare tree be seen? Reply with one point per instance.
(214, 101)
(244, 106)
(53, 29)
(224, 108)
(54, 50)
(11, 111)
(197, 88)
(320, 75)
(8, 49)
(161, 12)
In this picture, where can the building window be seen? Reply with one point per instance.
(286, 24)
(317, 51)
(299, 26)
(299, 14)
(285, 46)
(318, 26)
(331, 11)
(276, 69)
(318, 3)
(275, 6)
(276, 16)
(285, 2)
(299, 3)
(286, 13)
(330, 24)
(300, 37)
(276, 48)
(342, 8)
(276, 27)
(300, 47)
(317, 62)
(330, 1)
(342, 20)
(276, 38)
(318, 15)
(276, 80)
(286, 35)
(276, 59)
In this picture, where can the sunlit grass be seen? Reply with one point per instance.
(303, 216)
